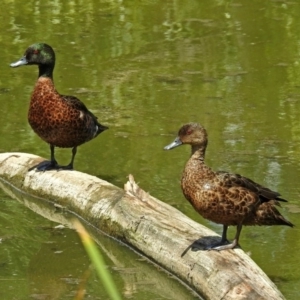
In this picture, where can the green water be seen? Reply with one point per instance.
(145, 68)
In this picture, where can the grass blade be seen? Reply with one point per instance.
(97, 261)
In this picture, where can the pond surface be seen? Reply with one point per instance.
(145, 68)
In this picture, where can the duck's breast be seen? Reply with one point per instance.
(55, 120)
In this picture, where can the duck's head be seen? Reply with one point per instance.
(193, 134)
(37, 54)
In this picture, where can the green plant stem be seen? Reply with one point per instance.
(97, 261)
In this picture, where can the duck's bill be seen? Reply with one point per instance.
(21, 62)
(177, 142)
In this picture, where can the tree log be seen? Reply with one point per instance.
(152, 227)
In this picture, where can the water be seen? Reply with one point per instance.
(145, 68)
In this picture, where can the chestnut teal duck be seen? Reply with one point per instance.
(221, 197)
(61, 121)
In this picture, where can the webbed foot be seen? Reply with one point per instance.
(67, 167)
(47, 165)
(50, 165)
(222, 245)
(56, 166)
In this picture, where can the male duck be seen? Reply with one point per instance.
(62, 121)
(224, 198)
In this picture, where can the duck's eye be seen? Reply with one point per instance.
(36, 51)
(189, 132)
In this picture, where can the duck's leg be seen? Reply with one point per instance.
(74, 151)
(234, 242)
(223, 239)
(54, 165)
(48, 165)
(53, 161)
(224, 235)
(70, 165)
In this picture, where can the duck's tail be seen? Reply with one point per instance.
(283, 221)
(267, 214)
(100, 128)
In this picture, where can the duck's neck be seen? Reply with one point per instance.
(46, 71)
(198, 152)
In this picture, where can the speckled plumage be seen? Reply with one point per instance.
(62, 121)
(221, 197)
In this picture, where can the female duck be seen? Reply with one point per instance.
(61, 121)
(224, 198)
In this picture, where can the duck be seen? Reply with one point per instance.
(59, 120)
(222, 197)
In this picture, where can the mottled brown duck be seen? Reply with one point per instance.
(61, 121)
(221, 197)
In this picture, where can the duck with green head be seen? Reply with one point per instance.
(222, 197)
(61, 121)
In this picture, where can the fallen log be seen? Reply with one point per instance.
(150, 226)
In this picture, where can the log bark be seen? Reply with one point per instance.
(150, 226)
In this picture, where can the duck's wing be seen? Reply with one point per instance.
(76, 104)
(237, 180)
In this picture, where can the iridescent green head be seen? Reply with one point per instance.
(39, 54)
